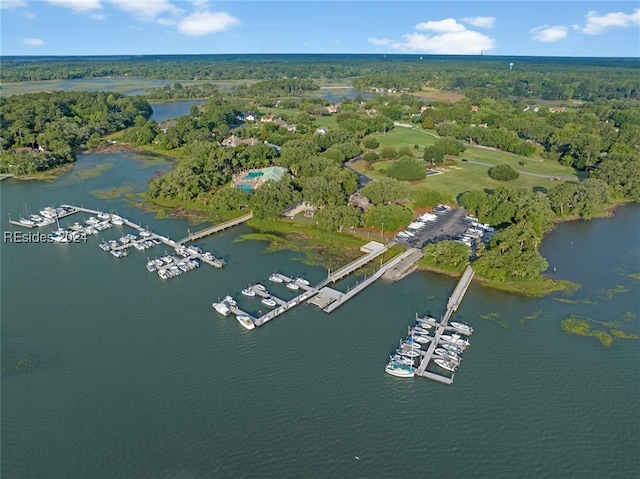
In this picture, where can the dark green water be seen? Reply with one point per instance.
(111, 372)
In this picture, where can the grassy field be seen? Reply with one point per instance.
(460, 177)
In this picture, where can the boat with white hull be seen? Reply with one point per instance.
(221, 308)
(275, 278)
(462, 328)
(245, 321)
(399, 370)
(445, 364)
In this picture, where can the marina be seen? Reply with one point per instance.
(442, 349)
(185, 258)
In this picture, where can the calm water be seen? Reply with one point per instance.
(172, 109)
(128, 376)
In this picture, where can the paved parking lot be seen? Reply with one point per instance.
(450, 223)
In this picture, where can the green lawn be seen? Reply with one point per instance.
(401, 136)
(461, 177)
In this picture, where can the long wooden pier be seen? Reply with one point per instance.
(392, 263)
(193, 254)
(452, 305)
(216, 228)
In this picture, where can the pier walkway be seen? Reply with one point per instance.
(216, 228)
(193, 254)
(392, 263)
(454, 302)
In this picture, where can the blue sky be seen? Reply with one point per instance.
(112, 27)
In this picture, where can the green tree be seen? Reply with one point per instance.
(503, 173)
(407, 168)
(339, 217)
(370, 142)
(385, 191)
(434, 154)
(272, 199)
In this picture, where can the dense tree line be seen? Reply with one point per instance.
(178, 91)
(480, 76)
(52, 125)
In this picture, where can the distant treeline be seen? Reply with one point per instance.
(536, 77)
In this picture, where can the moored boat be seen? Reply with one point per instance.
(269, 302)
(293, 286)
(248, 292)
(445, 364)
(463, 328)
(399, 370)
(275, 278)
(246, 321)
(221, 308)
(229, 300)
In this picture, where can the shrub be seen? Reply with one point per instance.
(370, 142)
(503, 173)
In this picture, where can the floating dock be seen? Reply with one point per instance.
(440, 327)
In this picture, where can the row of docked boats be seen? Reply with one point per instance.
(225, 306)
(292, 284)
(447, 353)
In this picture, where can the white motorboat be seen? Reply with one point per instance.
(116, 220)
(421, 339)
(145, 233)
(248, 292)
(151, 267)
(303, 281)
(399, 370)
(409, 352)
(398, 358)
(455, 357)
(293, 286)
(60, 236)
(455, 339)
(104, 246)
(245, 321)
(269, 302)
(221, 308)
(445, 364)
(259, 287)
(103, 216)
(275, 278)
(461, 327)
(229, 300)
(27, 222)
(452, 348)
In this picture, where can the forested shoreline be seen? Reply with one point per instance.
(277, 123)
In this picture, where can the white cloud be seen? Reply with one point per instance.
(200, 4)
(379, 41)
(547, 34)
(13, 4)
(205, 23)
(446, 36)
(32, 42)
(448, 25)
(78, 6)
(597, 24)
(146, 10)
(480, 22)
